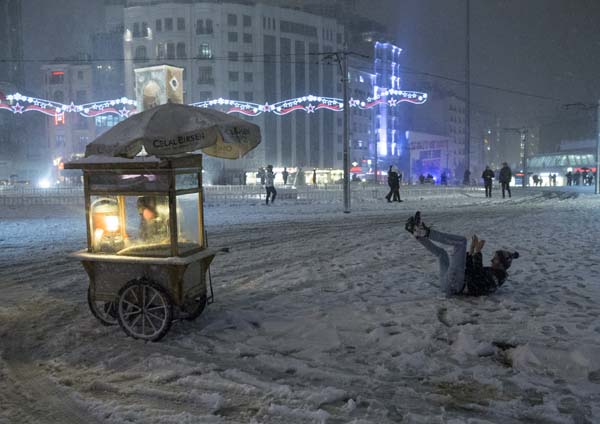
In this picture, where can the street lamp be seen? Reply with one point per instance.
(523, 132)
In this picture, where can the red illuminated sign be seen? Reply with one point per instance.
(58, 73)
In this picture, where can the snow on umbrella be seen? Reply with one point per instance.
(173, 129)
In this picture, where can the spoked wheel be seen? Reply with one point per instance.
(106, 312)
(192, 308)
(145, 310)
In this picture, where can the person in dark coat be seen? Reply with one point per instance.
(463, 272)
(505, 179)
(314, 177)
(488, 176)
(270, 184)
(396, 185)
(285, 174)
(393, 185)
(569, 176)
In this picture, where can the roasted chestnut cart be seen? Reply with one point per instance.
(147, 256)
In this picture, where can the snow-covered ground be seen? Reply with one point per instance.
(320, 317)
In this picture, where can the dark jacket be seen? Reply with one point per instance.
(505, 175)
(481, 280)
(487, 175)
(393, 180)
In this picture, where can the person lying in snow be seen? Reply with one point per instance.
(462, 272)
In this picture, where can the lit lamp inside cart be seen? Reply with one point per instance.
(106, 227)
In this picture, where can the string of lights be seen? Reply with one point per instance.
(124, 107)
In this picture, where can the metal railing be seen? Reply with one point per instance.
(23, 196)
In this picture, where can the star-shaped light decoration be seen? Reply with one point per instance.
(124, 112)
(392, 102)
(17, 108)
(310, 108)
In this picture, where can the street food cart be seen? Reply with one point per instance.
(147, 257)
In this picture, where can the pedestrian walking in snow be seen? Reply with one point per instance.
(569, 176)
(488, 176)
(396, 196)
(505, 179)
(392, 184)
(314, 177)
(285, 174)
(270, 184)
(462, 272)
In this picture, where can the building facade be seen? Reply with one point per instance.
(68, 134)
(11, 43)
(256, 53)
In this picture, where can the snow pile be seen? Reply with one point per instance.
(320, 317)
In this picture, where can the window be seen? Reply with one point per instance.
(59, 96)
(232, 37)
(140, 54)
(234, 76)
(145, 29)
(136, 30)
(170, 50)
(249, 96)
(205, 75)
(107, 120)
(231, 19)
(264, 22)
(248, 77)
(247, 38)
(57, 77)
(204, 51)
(168, 24)
(80, 97)
(160, 51)
(60, 141)
(199, 26)
(158, 25)
(233, 56)
(248, 57)
(234, 95)
(205, 95)
(247, 20)
(209, 26)
(181, 51)
(180, 24)
(79, 75)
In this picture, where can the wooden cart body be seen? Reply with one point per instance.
(175, 270)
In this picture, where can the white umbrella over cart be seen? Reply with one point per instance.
(147, 256)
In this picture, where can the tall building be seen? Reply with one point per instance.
(251, 52)
(11, 43)
(65, 82)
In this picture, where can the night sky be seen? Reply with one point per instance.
(547, 48)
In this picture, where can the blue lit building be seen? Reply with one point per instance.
(389, 129)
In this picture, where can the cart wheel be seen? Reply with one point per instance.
(145, 310)
(193, 308)
(106, 312)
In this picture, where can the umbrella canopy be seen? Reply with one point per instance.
(173, 129)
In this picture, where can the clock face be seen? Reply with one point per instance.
(174, 83)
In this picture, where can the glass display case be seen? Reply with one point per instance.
(146, 256)
(150, 210)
